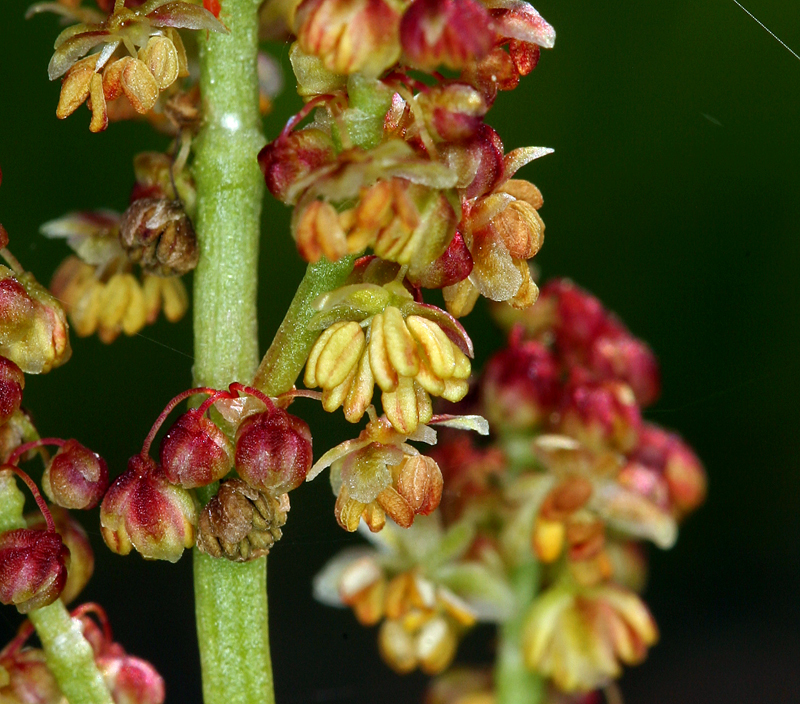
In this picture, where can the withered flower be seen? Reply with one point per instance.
(241, 523)
(157, 234)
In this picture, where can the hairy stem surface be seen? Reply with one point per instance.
(230, 598)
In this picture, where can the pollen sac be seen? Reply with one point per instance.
(419, 481)
(195, 452)
(273, 451)
(158, 235)
(33, 327)
(81, 556)
(143, 511)
(12, 381)
(449, 33)
(131, 680)
(349, 36)
(160, 56)
(33, 568)
(76, 477)
(241, 523)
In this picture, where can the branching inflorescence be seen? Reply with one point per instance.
(398, 187)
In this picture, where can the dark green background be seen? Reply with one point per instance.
(672, 194)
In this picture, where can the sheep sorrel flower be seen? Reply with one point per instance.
(33, 568)
(407, 207)
(143, 511)
(410, 350)
(140, 76)
(76, 477)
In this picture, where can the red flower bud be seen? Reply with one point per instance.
(293, 156)
(33, 568)
(131, 680)
(273, 451)
(142, 510)
(521, 386)
(33, 327)
(12, 381)
(624, 357)
(674, 459)
(81, 557)
(579, 317)
(195, 452)
(445, 32)
(601, 415)
(28, 678)
(76, 477)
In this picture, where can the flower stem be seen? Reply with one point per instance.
(230, 598)
(69, 655)
(289, 350)
(515, 684)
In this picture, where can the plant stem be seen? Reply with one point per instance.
(69, 655)
(230, 598)
(289, 350)
(515, 684)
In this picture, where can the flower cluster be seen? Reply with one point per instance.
(379, 334)
(152, 507)
(26, 677)
(98, 286)
(46, 556)
(34, 558)
(423, 586)
(572, 481)
(154, 55)
(404, 168)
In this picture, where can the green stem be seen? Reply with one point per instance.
(515, 684)
(230, 598)
(289, 350)
(69, 656)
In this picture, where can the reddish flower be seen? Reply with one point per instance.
(273, 451)
(33, 568)
(76, 477)
(143, 511)
(445, 32)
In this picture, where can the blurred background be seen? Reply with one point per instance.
(672, 195)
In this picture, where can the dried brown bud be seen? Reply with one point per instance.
(158, 234)
(241, 523)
